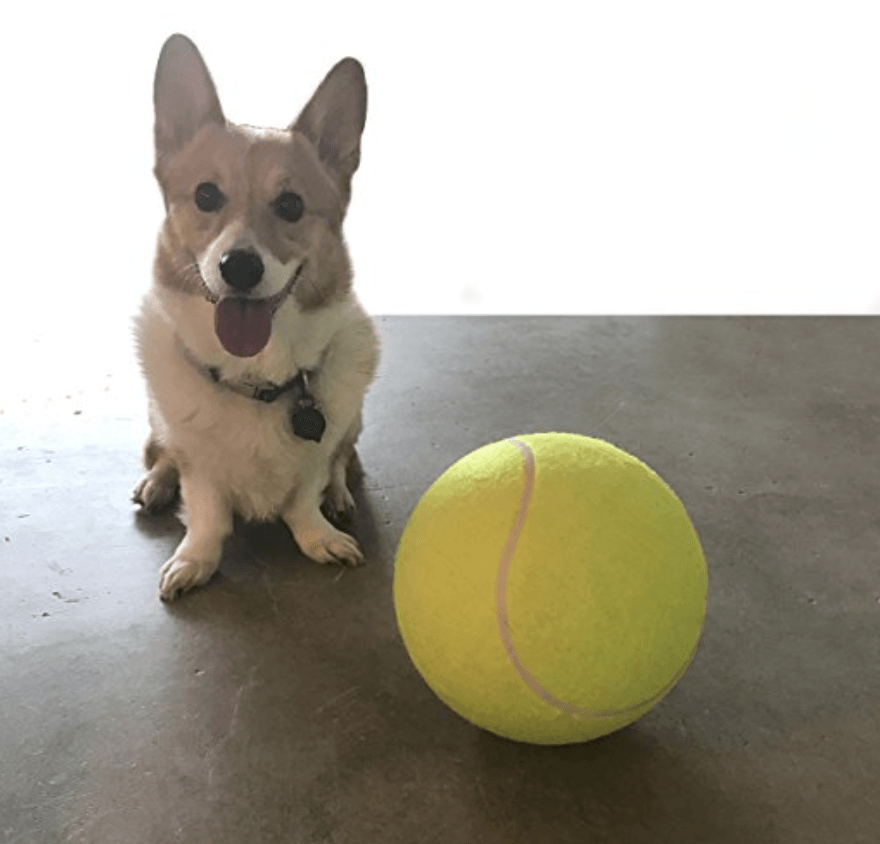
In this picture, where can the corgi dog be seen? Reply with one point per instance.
(256, 352)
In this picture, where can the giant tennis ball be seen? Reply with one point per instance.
(550, 588)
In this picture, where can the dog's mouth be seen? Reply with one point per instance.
(244, 325)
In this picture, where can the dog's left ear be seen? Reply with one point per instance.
(334, 118)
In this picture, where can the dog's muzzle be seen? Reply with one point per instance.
(243, 325)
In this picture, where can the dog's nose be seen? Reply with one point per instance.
(241, 268)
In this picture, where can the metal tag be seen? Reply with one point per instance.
(309, 423)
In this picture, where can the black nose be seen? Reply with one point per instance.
(241, 268)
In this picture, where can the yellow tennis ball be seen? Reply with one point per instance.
(550, 588)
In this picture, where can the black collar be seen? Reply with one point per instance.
(305, 416)
(265, 391)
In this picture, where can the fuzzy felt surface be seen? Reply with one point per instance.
(602, 602)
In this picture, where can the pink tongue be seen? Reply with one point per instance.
(243, 326)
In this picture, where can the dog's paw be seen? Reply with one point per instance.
(328, 545)
(180, 574)
(157, 489)
(339, 505)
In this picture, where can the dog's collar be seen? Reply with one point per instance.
(265, 391)
(308, 421)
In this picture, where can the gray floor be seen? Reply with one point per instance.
(278, 705)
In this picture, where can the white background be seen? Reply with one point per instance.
(541, 158)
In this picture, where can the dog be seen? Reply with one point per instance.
(256, 352)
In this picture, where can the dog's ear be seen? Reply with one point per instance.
(184, 96)
(334, 117)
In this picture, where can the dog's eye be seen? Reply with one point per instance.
(288, 206)
(209, 197)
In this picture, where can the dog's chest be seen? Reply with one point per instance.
(250, 452)
(247, 448)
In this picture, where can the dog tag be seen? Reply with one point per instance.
(309, 423)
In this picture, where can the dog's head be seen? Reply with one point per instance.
(254, 216)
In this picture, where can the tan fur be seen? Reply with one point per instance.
(228, 452)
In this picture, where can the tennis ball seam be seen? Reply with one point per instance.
(507, 556)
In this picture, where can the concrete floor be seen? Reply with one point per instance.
(277, 704)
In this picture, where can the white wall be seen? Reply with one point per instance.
(552, 157)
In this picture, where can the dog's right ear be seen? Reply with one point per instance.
(184, 96)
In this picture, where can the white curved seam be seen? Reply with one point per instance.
(503, 618)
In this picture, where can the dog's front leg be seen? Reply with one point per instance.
(208, 520)
(316, 537)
